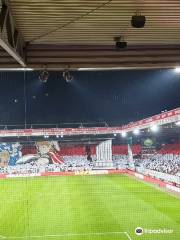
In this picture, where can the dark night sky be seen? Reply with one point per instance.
(114, 96)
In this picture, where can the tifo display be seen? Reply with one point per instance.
(48, 156)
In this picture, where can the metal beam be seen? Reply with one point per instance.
(10, 39)
(56, 57)
(88, 57)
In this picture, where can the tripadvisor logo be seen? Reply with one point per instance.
(139, 231)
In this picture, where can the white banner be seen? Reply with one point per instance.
(104, 151)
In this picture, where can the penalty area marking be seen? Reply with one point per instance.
(66, 235)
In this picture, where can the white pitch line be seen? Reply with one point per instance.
(66, 235)
(127, 234)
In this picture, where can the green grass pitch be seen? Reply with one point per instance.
(107, 207)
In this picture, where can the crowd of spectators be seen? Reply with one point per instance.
(166, 163)
(120, 161)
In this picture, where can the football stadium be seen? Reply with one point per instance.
(89, 120)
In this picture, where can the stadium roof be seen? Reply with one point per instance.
(167, 123)
(161, 119)
(79, 34)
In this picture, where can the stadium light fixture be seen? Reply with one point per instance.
(178, 123)
(43, 76)
(115, 134)
(154, 128)
(57, 136)
(68, 77)
(120, 43)
(99, 68)
(123, 134)
(136, 131)
(177, 69)
(17, 69)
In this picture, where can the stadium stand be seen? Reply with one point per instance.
(165, 160)
(170, 148)
(123, 149)
(75, 158)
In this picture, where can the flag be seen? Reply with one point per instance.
(130, 157)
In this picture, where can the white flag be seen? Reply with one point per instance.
(130, 157)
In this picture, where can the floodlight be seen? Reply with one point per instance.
(177, 69)
(123, 134)
(154, 128)
(136, 131)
